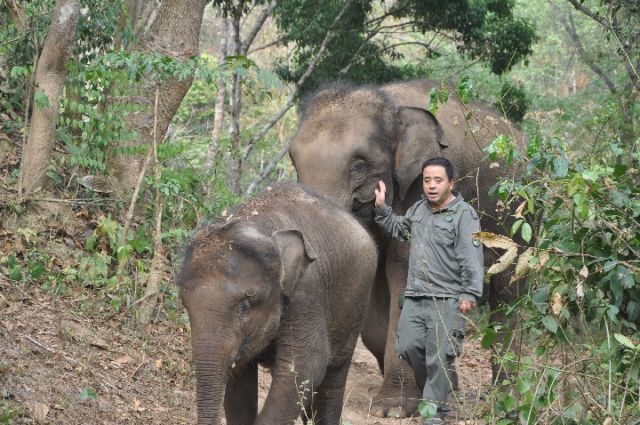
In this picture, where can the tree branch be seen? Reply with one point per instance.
(296, 88)
(593, 15)
(257, 26)
(266, 46)
(570, 28)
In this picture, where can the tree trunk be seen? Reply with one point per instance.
(175, 33)
(50, 76)
(233, 168)
(218, 119)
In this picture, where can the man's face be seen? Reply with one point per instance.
(436, 185)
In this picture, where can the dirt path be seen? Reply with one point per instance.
(60, 366)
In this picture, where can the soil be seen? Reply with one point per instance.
(63, 364)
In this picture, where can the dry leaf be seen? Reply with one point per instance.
(518, 213)
(39, 411)
(583, 274)
(159, 363)
(123, 360)
(100, 343)
(492, 240)
(557, 305)
(523, 266)
(503, 262)
(137, 406)
(543, 258)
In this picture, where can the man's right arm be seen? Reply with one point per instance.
(398, 226)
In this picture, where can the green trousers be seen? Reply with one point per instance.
(430, 336)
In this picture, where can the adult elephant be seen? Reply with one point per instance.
(283, 281)
(351, 137)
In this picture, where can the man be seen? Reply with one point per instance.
(444, 280)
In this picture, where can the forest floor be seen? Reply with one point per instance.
(62, 365)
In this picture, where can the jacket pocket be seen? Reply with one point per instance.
(443, 233)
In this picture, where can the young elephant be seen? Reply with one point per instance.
(284, 281)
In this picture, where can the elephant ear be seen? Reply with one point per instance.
(295, 255)
(420, 137)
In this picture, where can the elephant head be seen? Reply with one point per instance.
(233, 282)
(349, 138)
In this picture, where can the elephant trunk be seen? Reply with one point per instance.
(212, 364)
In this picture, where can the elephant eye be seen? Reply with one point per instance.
(359, 170)
(244, 307)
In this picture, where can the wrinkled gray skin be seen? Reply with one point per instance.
(351, 137)
(283, 281)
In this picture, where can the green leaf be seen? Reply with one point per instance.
(41, 100)
(427, 409)
(465, 90)
(626, 342)
(550, 323)
(509, 403)
(516, 225)
(88, 393)
(609, 265)
(489, 337)
(573, 412)
(526, 232)
(523, 385)
(560, 166)
(590, 175)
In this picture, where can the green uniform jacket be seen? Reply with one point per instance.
(445, 259)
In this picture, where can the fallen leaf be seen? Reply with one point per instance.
(137, 406)
(39, 411)
(123, 360)
(100, 343)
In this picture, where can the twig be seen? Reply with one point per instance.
(71, 201)
(39, 344)
(267, 170)
(139, 366)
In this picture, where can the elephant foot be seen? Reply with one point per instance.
(392, 406)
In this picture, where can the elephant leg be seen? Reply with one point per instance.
(399, 395)
(293, 381)
(241, 396)
(329, 401)
(376, 323)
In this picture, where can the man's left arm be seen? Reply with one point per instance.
(469, 256)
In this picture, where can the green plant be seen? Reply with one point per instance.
(581, 310)
(10, 412)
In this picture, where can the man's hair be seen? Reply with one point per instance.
(441, 162)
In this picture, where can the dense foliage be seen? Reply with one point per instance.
(487, 31)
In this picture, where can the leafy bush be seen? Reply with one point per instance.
(581, 312)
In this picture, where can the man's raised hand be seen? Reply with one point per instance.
(380, 190)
